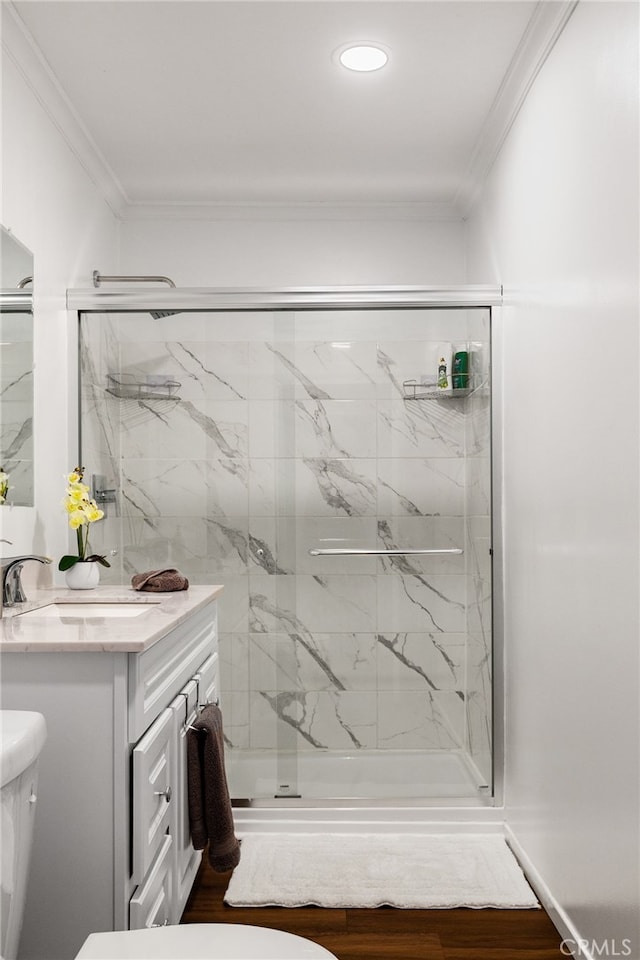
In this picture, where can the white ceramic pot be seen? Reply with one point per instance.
(83, 575)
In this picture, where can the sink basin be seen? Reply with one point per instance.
(91, 610)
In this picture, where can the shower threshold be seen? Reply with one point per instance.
(337, 776)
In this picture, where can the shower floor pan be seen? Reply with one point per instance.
(335, 775)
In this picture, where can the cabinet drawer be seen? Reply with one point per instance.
(150, 906)
(207, 680)
(153, 789)
(158, 674)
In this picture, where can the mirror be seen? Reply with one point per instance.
(16, 370)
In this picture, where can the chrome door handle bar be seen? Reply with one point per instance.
(353, 552)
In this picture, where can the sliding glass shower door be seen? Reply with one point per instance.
(316, 464)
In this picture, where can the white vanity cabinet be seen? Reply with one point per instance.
(163, 861)
(112, 848)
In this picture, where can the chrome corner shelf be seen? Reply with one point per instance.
(127, 386)
(413, 390)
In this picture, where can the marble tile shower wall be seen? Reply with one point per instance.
(291, 432)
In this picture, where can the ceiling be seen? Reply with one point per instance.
(232, 101)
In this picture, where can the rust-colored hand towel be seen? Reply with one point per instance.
(160, 581)
(210, 814)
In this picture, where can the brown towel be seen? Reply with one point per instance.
(210, 814)
(160, 581)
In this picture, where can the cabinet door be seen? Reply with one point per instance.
(151, 904)
(153, 790)
(185, 859)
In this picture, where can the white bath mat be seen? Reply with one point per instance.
(373, 870)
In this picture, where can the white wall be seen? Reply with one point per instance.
(558, 225)
(51, 204)
(296, 252)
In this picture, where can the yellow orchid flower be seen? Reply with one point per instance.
(4, 485)
(81, 511)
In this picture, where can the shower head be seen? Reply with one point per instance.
(98, 278)
(159, 314)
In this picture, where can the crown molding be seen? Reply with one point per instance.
(18, 44)
(547, 22)
(545, 27)
(292, 210)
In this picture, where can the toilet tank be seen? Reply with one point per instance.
(22, 736)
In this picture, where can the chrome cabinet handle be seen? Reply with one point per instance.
(163, 793)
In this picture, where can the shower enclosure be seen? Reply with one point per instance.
(303, 455)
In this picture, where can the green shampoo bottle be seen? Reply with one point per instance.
(460, 372)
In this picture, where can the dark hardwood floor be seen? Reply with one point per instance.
(388, 933)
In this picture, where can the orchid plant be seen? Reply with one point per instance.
(82, 511)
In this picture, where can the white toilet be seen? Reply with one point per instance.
(202, 941)
(22, 736)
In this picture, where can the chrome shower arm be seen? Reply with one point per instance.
(99, 278)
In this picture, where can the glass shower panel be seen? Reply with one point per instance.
(290, 438)
(391, 694)
(185, 423)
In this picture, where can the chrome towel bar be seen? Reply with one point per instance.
(357, 552)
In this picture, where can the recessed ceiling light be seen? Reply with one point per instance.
(363, 57)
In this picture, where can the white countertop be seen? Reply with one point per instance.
(100, 635)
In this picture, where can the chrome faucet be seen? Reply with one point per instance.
(11, 568)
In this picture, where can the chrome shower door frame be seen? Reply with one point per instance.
(354, 298)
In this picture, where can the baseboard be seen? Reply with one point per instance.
(573, 943)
